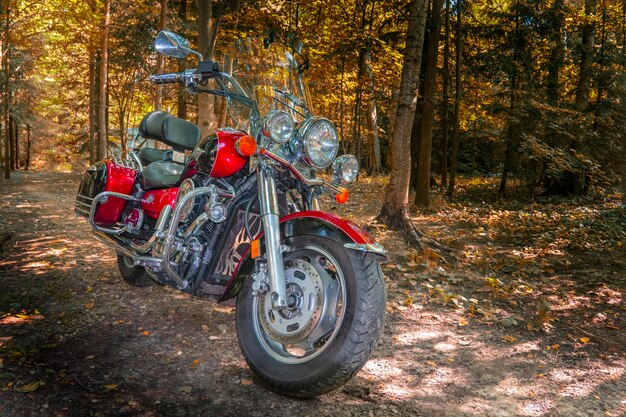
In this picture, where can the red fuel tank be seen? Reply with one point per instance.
(216, 154)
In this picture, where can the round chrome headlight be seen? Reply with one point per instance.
(186, 187)
(278, 126)
(319, 142)
(345, 169)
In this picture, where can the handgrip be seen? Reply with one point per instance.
(166, 78)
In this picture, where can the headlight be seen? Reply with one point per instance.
(186, 187)
(278, 126)
(345, 169)
(319, 141)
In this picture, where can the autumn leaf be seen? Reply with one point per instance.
(510, 339)
(110, 387)
(90, 305)
(30, 387)
(585, 340)
(246, 382)
(463, 321)
(145, 333)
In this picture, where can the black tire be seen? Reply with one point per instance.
(134, 275)
(344, 352)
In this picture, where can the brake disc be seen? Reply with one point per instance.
(305, 303)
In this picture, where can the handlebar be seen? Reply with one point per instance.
(170, 78)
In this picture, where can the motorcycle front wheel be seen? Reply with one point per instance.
(333, 320)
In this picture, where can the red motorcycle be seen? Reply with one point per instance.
(237, 214)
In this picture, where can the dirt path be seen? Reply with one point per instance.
(76, 341)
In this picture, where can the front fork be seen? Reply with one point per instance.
(268, 201)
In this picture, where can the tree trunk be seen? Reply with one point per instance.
(5, 66)
(445, 99)
(557, 55)
(454, 156)
(586, 58)
(160, 68)
(205, 102)
(103, 88)
(182, 90)
(27, 147)
(395, 206)
(373, 120)
(514, 129)
(422, 190)
(16, 147)
(10, 131)
(602, 63)
(92, 91)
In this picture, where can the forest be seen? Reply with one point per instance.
(492, 151)
(529, 90)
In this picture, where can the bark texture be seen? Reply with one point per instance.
(103, 93)
(422, 189)
(395, 207)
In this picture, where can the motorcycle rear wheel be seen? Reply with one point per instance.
(133, 274)
(335, 315)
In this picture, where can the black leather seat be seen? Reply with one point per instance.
(150, 155)
(162, 126)
(161, 174)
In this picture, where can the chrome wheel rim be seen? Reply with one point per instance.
(316, 292)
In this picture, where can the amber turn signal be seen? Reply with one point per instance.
(246, 145)
(342, 197)
(255, 248)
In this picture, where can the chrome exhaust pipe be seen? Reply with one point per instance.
(120, 249)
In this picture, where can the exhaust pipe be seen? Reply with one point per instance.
(120, 249)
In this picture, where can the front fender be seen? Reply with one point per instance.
(312, 223)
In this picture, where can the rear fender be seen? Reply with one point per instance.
(311, 223)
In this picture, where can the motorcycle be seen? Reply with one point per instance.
(237, 214)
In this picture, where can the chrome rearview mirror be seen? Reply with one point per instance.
(172, 44)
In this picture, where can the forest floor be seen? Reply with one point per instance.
(530, 321)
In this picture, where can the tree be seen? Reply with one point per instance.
(103, 93)
(158, 96)
(394, 211)
(586, 56)
(454, 156)
(6, 51)
(422, 188)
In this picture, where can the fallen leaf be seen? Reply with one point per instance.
(185, 388)
(246, 382)
(89, 289)
(540, 376)
(196, 361)
(463, 321)
(510, 339)
(430, 363)
(145, 333)
(90, 305)
(408, 301)
(110, 387)
(585, 340)
(29, 387)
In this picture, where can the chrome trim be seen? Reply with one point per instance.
(103, 198)
(170, 237)
(158, 231)
(269, 215)
(311, 182)
(366, 247)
